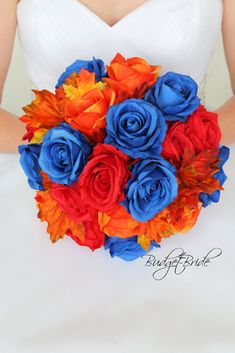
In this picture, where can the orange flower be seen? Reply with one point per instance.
(196, 172)
(58, 222)
(184, 212)
(158, 227)
(130, 78)
(120, 223)
(179, 217)
(46, 111)
(87, 113)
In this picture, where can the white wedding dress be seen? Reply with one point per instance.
(64, 298)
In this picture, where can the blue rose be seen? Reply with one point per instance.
(127, 249)
(64, 154)
(207, 199)
(29, 162)
(136, 127)
(175, 95)
(95, 65)
(153, 186)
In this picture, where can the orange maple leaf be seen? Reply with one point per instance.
(76, 85)
(45, 111)
(58, 222)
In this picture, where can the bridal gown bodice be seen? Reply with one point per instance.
(179, 35)
(64, 298)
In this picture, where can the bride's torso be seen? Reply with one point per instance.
(179, 35)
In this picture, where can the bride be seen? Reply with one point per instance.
(64, 298)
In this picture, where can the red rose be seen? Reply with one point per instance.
(175, 142)
(69, 200)
(200, 132)
(104, 178)
(94, 238)
(203, 129)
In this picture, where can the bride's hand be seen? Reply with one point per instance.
(11, 130)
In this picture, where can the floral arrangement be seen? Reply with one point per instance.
(120, 156)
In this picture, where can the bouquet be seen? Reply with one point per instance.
(120, 156)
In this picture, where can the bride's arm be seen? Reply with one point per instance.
(227, 111)
(11, 130)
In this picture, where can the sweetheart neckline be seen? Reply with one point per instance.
(91, 13)
(128, 16)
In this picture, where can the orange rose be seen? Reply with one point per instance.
(87, 113)
(130, 77)
(119, 222)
